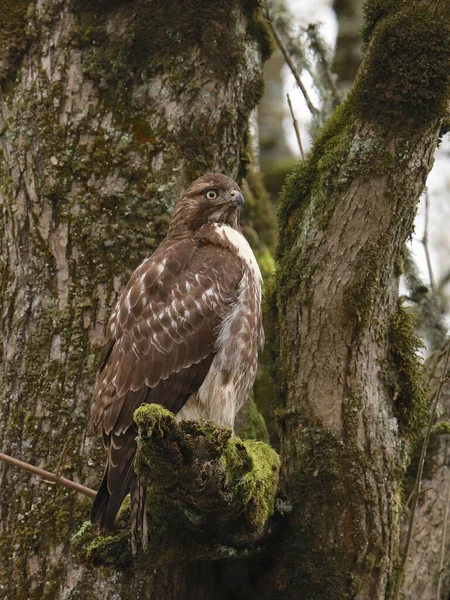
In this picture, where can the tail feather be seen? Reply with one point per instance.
(108, 502)
(138, 515)
(98, 510)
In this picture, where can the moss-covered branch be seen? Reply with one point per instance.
(210, 494)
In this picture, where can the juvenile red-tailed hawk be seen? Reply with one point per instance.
(184, 333)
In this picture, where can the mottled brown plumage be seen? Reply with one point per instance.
(184, 334)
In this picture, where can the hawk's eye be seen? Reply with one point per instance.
(211, 194)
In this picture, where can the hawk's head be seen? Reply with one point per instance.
(212, 198)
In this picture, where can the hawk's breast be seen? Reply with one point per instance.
(240, 334)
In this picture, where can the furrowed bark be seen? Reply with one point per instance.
(351, 394)
(108, 109)
(427, 561)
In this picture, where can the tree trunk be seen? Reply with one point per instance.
(430, 544)
(108, 109)
(351, 395)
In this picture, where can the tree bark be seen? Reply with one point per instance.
(350, 394)
(108, 110)
(430, 543)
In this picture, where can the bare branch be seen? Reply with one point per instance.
(296, 127)
(287, 57)
(425, 243)
(46, 475)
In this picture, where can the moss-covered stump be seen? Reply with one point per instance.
(210, 494)
(216, 482)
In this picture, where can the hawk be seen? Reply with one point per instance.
(184, 333)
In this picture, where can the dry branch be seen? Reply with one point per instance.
(287, 57)
(296, 127)
(47, 476)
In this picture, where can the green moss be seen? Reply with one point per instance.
(362, 296)
(273, 348)
(256, 428)
(314, 187)
(239, 483)
(149, 416)
(13, 35)
(108, 550)
(339, 155)
(249, 473)
(208, 491)
(374, 11)
(351, 413)
(404, 373)
(441, 427)
(327, 489)
(258, 28)
(156, 425)
(405, 84)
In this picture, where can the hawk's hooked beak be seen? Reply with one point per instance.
(237, 198)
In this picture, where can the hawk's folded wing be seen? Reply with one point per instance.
(160, 342)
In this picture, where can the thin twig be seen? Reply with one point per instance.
(425, 244)
(296, 127)
(313, 110)
(443, 540)
(422, 491)
(416, 493)
(49, 476)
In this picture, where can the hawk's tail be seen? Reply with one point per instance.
(107, 504)
(138, 515)
(109, 498)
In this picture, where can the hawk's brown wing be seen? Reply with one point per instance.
(159, 346)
